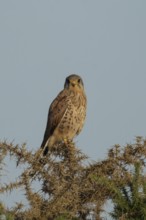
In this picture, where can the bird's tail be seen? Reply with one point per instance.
(48, 144)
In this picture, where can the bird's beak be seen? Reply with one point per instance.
(73, 83)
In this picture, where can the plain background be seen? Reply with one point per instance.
(42, 42)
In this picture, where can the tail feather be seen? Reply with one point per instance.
(45, 150)
(46, 144)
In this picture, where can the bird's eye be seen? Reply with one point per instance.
(79, 80)
(67, 81)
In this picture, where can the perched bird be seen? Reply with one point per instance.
(66, 113)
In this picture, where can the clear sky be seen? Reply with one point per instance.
(42, 42)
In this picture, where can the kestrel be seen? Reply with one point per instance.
(66, 113)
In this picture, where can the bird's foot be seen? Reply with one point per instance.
(67, 141)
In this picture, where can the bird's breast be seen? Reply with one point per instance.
(72, 121)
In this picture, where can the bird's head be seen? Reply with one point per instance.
(74, 82)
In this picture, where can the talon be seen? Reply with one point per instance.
(65, 140)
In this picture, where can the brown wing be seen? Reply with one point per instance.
(56, 112)
(82, 112)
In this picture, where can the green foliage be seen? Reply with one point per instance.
(130, 202)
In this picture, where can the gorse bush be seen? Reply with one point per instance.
(70, 188)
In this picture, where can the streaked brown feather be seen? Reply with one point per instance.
(56, 112)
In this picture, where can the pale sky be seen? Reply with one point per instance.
(42, 42)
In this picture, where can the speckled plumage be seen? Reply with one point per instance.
(66, 114)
